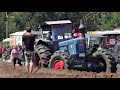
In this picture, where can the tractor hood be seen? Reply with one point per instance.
(71, 41)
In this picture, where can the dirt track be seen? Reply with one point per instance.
(9, 71)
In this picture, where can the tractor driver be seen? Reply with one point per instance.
(49, 36)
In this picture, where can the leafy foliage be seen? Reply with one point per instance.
(18, 21)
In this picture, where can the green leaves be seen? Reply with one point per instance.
(18, 21)
(108, 20)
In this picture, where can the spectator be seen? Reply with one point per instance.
(28, 43)
(8, 52)
(99, 48)
(118, 39)
(1, 51)
(19, 47)
(14, 57)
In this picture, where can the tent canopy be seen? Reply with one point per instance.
(8, 40)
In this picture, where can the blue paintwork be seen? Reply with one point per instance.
(71, 41)
(73, 45)
(76, 49)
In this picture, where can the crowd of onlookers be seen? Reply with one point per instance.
(7, 53)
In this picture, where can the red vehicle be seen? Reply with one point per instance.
(113, 38)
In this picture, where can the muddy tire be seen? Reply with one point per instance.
(59, 60)
(44, 54)
(110, 65)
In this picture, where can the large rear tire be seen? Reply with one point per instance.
(44, 54)
(59, 60)
(109, 64)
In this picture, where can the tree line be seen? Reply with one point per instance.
(95, 21)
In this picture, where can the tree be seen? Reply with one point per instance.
(108, 20)
(94, 21)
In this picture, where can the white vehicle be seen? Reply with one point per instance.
(95, 39)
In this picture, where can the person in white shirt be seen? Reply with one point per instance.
(99, 48)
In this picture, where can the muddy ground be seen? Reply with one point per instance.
(7, 70)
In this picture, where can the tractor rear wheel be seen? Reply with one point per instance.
(59, 60)
(107, 64)
(37, 62)
(44, 54)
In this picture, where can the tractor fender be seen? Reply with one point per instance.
(41, 42)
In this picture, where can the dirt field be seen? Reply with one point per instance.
(9, 71)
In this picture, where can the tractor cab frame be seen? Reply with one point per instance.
(61, 31)
(94, 40)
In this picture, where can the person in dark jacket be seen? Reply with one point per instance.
(49, 36)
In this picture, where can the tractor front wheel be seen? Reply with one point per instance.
(59, 60)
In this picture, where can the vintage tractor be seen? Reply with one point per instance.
(115, 52)
(96, 39)
(93, 41)
(66, 52)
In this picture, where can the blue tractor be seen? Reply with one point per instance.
(60, 50)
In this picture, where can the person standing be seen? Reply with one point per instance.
(49, 36)
(118, 39)
(29, 44)
(100, 48)
(1, 51)
(14, 57)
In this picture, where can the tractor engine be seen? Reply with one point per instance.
(76, 49)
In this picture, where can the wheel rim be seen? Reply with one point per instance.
(58, 64)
